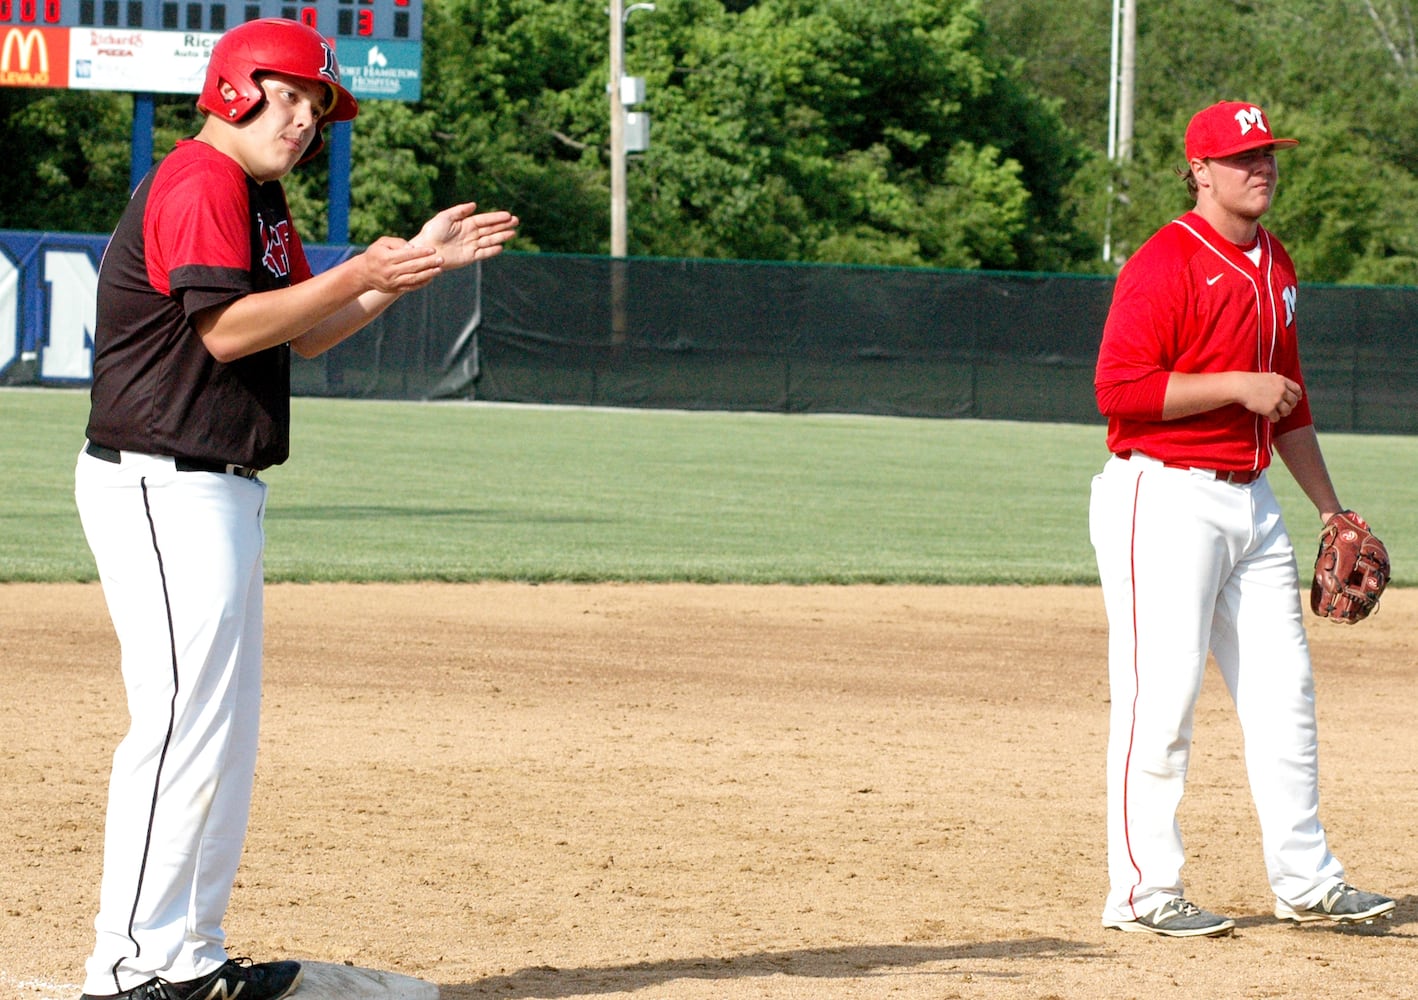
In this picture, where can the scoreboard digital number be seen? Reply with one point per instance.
(374, 20)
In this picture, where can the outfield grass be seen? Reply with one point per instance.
(420, 491)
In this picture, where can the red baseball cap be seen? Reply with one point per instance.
(1230, 127)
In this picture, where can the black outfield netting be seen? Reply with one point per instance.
(700, 334)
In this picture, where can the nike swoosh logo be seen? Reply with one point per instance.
(1212, 281)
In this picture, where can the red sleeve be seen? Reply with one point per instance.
(199, 219)
(1138, 337)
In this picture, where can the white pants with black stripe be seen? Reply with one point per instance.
(1190, 564)
(180, 558)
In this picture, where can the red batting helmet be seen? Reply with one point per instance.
(272, 45)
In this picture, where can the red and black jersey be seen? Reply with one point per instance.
(197, 233)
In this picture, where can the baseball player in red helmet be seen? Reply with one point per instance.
(203, 292)
(1199, 377)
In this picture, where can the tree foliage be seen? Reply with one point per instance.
(945, 133)
(839, 131)
(1340, 75)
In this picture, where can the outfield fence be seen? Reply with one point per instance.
(728, 335)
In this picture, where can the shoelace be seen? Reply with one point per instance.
(1186, 908)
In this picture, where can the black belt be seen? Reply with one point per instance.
(180, 464)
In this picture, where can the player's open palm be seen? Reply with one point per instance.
(462, 235)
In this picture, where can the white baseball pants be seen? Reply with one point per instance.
(1190, 564)
(180, 558)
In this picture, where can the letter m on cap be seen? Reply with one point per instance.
(1250, 117)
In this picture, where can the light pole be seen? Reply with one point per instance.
(1121, 86)
(619, 14)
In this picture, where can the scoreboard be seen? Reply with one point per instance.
(149, 47)
(162, 46)
(374, 20)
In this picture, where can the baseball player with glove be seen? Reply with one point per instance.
(1199, 376)
(203, 292)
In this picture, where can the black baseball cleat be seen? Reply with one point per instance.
(241, 979)
(238, 979)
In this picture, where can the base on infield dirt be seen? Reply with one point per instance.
(324, 981)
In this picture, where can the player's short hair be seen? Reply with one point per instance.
(1190, 179)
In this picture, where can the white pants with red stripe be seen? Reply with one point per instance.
(1190, 564)
(180, 558)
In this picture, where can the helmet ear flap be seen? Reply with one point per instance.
(237, 97)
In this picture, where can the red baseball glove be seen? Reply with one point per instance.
(1351, 570)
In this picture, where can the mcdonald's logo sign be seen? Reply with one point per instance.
(34, 57)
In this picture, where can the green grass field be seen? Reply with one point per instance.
(459, 492)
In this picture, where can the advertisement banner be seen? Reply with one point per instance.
(34, 57)
(390, 69)
(175, 62)
(161, 62)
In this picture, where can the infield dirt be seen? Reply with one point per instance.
(690, 792)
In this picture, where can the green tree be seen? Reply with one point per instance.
(1343, 209)
(74, 149)
(1338, 74)
(823, 130)
(836, 131)
(71, 148)
(955, 133)
(513, 91)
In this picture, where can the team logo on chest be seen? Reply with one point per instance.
(1289, 293)
(275, 240)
